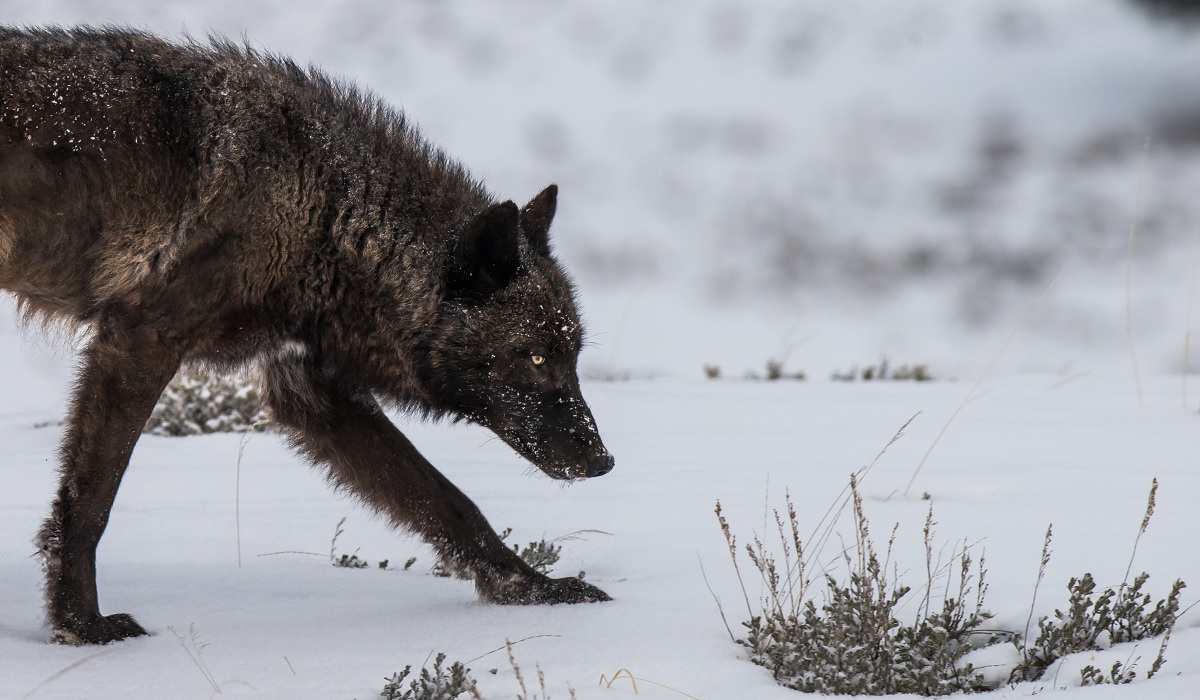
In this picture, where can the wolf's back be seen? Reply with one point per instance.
(122, 154)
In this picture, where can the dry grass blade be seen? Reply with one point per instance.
(1133, 224)
(509, 645)
(1187, 329)
(633, 681)
(579, 535)
(717, 600)
(196, 654)
(237, 496)
(829, 521)
(1150, 501)
(731, 540)
(337, 532)
(1041, 574)
(982, 375)
(65, 670)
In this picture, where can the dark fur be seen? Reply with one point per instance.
(209, 203)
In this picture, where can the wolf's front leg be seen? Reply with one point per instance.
(340, 425)
(124, 371)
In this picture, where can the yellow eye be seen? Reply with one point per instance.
(538, 359)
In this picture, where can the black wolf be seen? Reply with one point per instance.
(208, 203)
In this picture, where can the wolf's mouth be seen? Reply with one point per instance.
(535, 454)
(526, 447)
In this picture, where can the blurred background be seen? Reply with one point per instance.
(822, 184)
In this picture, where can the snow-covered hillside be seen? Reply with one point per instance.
(833, 182)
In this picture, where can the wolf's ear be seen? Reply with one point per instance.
(536, 217)
(487, 256)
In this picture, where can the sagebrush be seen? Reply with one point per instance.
(1092, 622)
(436, 684)
(1097, 622)
(540, 554)
(854, 642)
(197, 402)
(450, 682)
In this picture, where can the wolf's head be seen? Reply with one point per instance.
(504, 351)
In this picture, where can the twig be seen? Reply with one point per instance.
(717, 600)
(1067, 380)
(516, 669)
(66, 669)
(731, 540)
(198, 657)
(237, 495)
(577, 535)
(988, 368)
(1145, 523)
(1041, 574)
(1160, 659)
(633, 680)
(817, 545)
(271, 554)
(337, 532)
(508, 644)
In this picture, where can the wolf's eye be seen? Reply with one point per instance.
(538, 359)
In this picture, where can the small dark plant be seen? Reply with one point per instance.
(541, 555)
(774, 372)
(882, 372)
(1119, 674)
(448, 683)
(438, 684)
(347, 561)
(351, 561)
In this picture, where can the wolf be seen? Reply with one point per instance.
(207, 203)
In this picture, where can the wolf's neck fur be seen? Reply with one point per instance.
(395, 213)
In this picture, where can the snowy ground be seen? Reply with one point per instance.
(1026, 453)
(820, 183)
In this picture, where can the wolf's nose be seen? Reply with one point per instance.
(599, 466)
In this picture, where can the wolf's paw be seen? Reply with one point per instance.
(100, 629)
(545, 591)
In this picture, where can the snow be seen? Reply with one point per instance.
(1029, 451)
(821, 184)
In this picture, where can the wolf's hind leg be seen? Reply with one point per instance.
(124, 371)
(340, 425)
